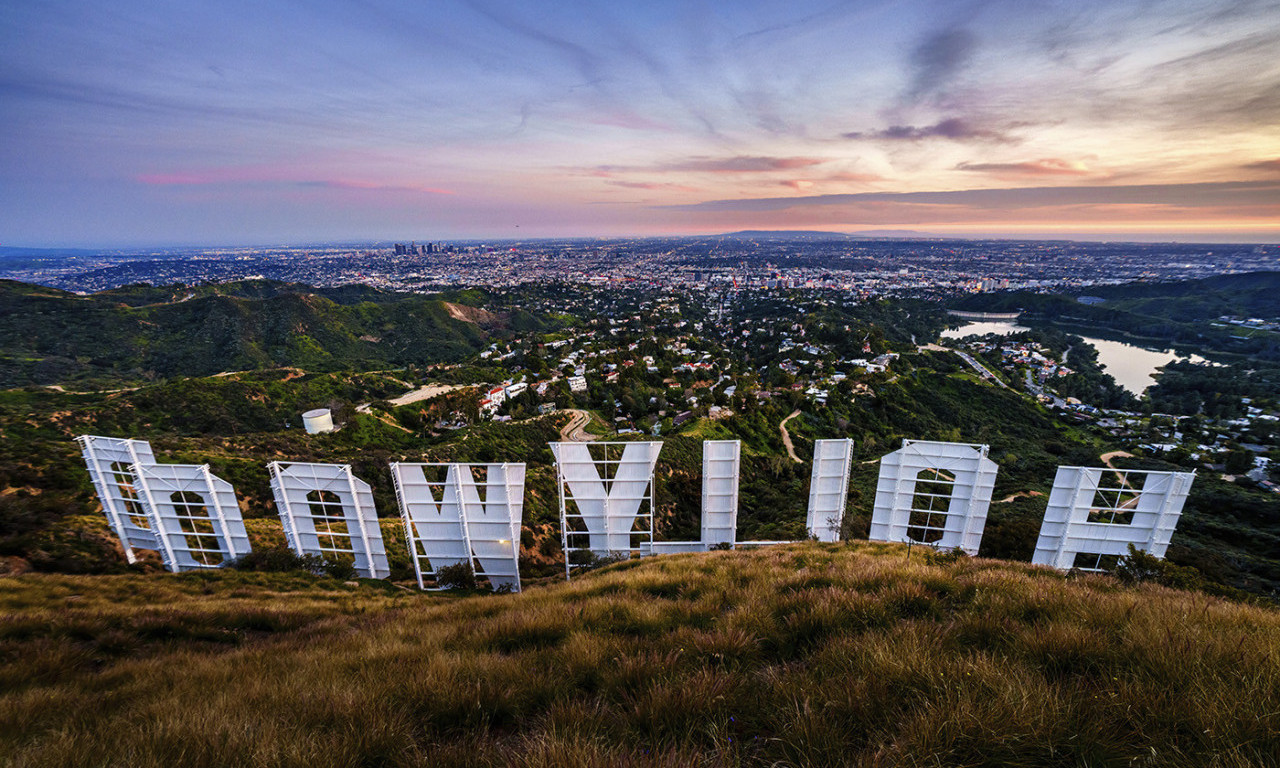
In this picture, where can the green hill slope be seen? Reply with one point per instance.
(1176, 312)
(144, 332)
(793, 655)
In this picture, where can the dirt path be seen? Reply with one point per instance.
(786, 437)
(1019, 495)
(424, 393)
(574, 431)
(1107, 457)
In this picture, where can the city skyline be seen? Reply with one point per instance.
(145, 124)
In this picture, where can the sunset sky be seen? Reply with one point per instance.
(129, 123)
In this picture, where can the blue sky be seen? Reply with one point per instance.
(155, 123)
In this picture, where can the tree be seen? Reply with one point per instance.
(1238, 462)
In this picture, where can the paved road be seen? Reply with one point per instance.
(980, 368)
(974, 364)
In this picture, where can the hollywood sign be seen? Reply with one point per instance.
(470, 515)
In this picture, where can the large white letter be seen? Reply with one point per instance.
(828, 488)
(1094, 515)
(328, 511)
(193, 513)
(720, 466)
(110, 461)
(608, 507)
(447, 522)
(934, 493)
(721, 462)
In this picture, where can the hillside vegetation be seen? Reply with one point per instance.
(808, 654)
(1175, 312)
(145, 333)
(238, 423)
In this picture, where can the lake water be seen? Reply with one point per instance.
(1133, 367)
(983, 327)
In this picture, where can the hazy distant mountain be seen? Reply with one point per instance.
(807, 234)
(908, 233)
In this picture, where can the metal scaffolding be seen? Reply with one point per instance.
(934, 493)
(1094, 514)
(328, 511)
(448, 521)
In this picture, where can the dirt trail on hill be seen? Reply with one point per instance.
(1019, 495)
(786, 437)
(1107, 457)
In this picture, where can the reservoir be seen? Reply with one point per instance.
(1133, 367)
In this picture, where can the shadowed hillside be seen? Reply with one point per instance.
(793, 655)
(145, 332)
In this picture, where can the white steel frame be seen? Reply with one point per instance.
(828, 488)
(721, 464)
(608, 507)
(964, 467)
(1068, 531)
(194, 514)
(721, 468)
(110, 461)
(447, 522)
(353, 510)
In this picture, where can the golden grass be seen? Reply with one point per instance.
(805, 654)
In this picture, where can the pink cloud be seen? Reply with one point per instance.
(1048, 166)
(650, 185)
(377, 187)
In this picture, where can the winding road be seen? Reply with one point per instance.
(575, 430)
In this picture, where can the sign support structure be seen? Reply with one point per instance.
(602, 497)
(447, 522)
(828, 488)
(934, 493)
(1095, 514)
(326, 510)
(110, 461)
(194, 514)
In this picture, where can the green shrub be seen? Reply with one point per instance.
(284, 560)
(456, 576)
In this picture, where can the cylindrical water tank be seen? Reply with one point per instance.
(317, 421)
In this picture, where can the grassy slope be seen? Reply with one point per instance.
(799, 655)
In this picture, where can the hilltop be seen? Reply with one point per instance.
(792, 655)
(143, 332)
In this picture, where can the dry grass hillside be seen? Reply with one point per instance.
(804, 654)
